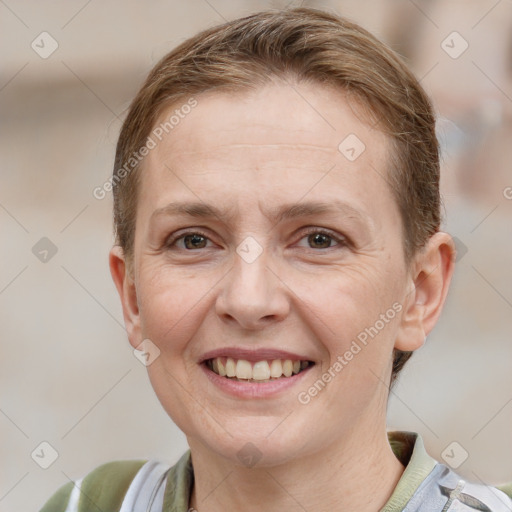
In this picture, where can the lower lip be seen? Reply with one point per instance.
(254, 389)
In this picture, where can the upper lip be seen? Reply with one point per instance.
(253, 355)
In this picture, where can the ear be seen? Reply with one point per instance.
(128, 294)
(431, 273)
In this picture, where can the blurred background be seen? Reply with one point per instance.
(72, 394)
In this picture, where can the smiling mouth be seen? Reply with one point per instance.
(261, 371)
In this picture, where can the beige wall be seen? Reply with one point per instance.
(68, 375)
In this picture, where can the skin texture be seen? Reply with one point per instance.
(251, 153)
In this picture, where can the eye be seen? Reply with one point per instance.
(188, 241)
(315, 238)
(322, 239)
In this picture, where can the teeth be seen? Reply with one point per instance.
(243, 369)
(276, 368)
(221, 367)
(262, 371)
(287, 368)
(230, 367)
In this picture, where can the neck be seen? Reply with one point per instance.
(358, 473)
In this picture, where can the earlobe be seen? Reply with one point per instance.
(431, 274)
(127, 293)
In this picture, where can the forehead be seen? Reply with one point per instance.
(307, 114)
(280, 134)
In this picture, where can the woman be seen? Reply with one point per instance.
(278, 260)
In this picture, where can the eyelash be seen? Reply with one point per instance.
(341, 241)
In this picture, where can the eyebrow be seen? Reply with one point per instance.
(276, 214)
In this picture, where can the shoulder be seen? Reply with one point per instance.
(449, 491)
(105, 488)
(429, 485)
(506, 488)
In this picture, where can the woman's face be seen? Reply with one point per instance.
(287, 245)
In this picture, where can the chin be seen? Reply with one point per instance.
(253, 441)
(246, 451)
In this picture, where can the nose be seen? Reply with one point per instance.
(253, 296)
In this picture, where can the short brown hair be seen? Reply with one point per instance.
(308, 45)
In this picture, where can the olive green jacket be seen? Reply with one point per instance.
(425, 485)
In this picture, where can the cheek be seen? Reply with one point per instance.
(354, 303)
(170, 307)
